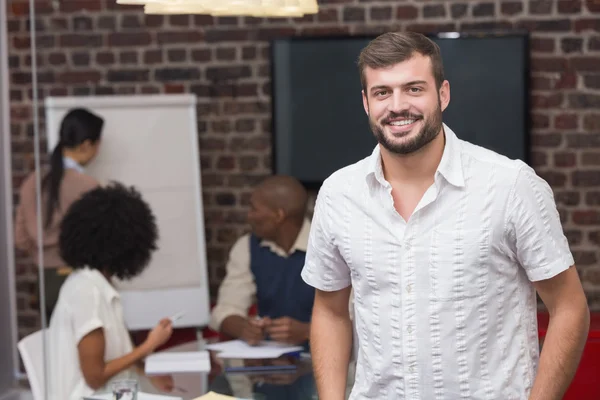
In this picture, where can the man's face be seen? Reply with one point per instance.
(404, 105)
(263, 220)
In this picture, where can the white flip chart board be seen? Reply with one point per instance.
(151, 142)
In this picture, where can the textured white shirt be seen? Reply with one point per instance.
(87, 301)
(444, 304)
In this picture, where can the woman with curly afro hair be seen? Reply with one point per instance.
(109, 232)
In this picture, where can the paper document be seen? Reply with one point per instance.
(184, 361)
(240, 349)
(216, 396)
(140, 396)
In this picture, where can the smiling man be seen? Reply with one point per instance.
(445, 244)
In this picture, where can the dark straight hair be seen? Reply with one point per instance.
(76, 127)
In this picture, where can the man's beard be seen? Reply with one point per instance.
(431, 128)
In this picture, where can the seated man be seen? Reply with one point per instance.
(266, 264)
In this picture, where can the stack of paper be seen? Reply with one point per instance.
(240, 349)
(140, 396)
(215, 396)
(171, 362)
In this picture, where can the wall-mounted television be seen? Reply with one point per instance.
(319, 124)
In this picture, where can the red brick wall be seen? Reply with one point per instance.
(88, 47)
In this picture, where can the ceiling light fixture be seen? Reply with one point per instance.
(252, 8)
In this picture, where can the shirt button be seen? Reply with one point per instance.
(408, 288)
(411, 370)
(409, 329)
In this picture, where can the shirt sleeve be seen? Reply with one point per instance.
(86, 313)
(534, 230)
(238, 288)
(324, 267)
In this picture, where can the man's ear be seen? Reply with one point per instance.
(365, 102)
(280, 214)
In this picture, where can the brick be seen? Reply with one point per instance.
(546, 140)
(586, 178)
(248, 53)
(327, 15)
(129, 39)
(212, 144)
(591, 122)
(174, 88)
(586, 217)
(571, 45)
(153, 57)
(556, 25)
(82, 24)
(179, 37)
(569, 198)
(381, 13)
(594, 237)
(567, 80)
(407, 12)
(105, 58)
(154, 21)
(540, 121)
(203, 20)
(548, 64)
(586, 64)
(226, 163)
(107, 22)
(583, 140)
(566, 121)
(274, 33)
(201, 90)
(484, 26)
(539, 159)
(227, 21)
(249, 163)
(565, 160)
(592, 81)
(73, 6)
(569, 6)
(553, 100)
(428, 28)
(542, 45)
(434, 11)
(132, 21)
(511, 7)
(226, 54)
(177, 55)
(458, 10)
(179, 20)
(586, 24)
(79, 77)
(245, 125)
(57, 59)
(221, 126)
(483, 10)
(584, 259)
(589, 159)
(177, 74)
(594, 43)
(128, 57)
(555, 179)
(226, 73)
(80, 59)
(584, 101)
(593, 6)
(201, 55)
(80, 40)
(540, 7)
(592, 198)
(230, 35)
(128, 75)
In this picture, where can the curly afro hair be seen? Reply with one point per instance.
(111, 229)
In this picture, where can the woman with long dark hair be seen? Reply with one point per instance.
(62, 183)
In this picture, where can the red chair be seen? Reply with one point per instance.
(585, 384)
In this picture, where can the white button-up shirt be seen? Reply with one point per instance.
(87, 301)
(444, 304)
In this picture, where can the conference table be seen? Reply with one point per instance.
(296, 384)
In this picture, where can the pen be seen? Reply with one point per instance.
(177, 316)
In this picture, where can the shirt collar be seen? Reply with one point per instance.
(108, 290)
(301, 243)
(69, 163)
(450, 165)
